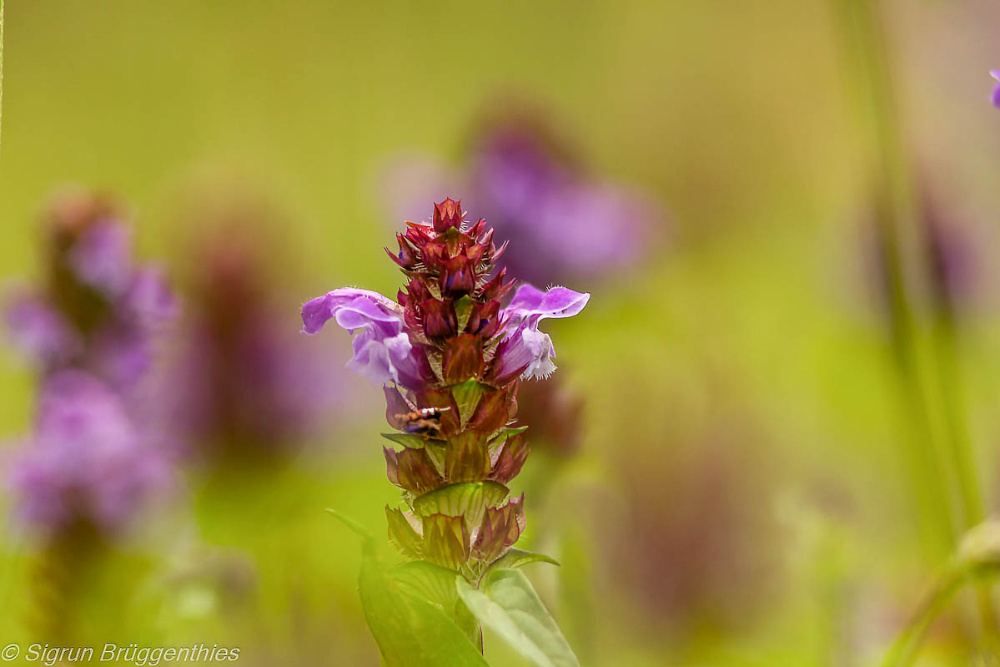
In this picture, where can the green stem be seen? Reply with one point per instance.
(55, 582)
(864, 44)
(962, 451)
(904, 652)
(948, 463)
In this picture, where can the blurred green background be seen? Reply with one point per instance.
(741, 496)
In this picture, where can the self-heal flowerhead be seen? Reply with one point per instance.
(88, 461)
(96, 310)
(93, 459)
(242, 388)
(451, 358)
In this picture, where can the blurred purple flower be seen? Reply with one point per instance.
(39, 332)
(149, 299)
(98, 312)
(685, 543)
(101, 258)
(562, 225)
(996, 90)
(87, 460)
(258, 388)
(241, 382)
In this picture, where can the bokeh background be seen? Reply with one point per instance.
(740, 491)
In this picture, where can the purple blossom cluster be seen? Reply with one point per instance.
(996, 90)
(97, 310)
(383, 351)
(88, 461)
(242, 382)
(92, 458)
(563, 224)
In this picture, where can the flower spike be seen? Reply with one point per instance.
(451, 357)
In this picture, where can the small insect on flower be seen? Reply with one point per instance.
(425, 422)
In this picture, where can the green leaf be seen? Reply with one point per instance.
(414, 612)
(436, 584)
(406, 439)
(468, 500)
(437, 452)
(501, 438)
(507, 604)
(463, 308)
(467, 396)
(411, 631)
(431, 582)
(516, 558)
(355, 526)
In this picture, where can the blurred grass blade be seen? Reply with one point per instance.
(507, 604)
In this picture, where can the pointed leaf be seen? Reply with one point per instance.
(437, 452)
(507, 604)
(463, 307)
(446, 540)
(406, 439)
(402, 534)
(517, 558)
(467, 460)
(503, 435)
(355, 526)
(467, 397)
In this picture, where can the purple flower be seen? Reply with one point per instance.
(149, 298)
(382, 351)
(996, 91)
(562, 225)
(101, 258)
(99, 310)
(524, 349)
(87, 460)
(531, 304)
(254, 385)
(240, 388)
(121, 355)
(39, 332)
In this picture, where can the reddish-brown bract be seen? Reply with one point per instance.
(459, 450)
